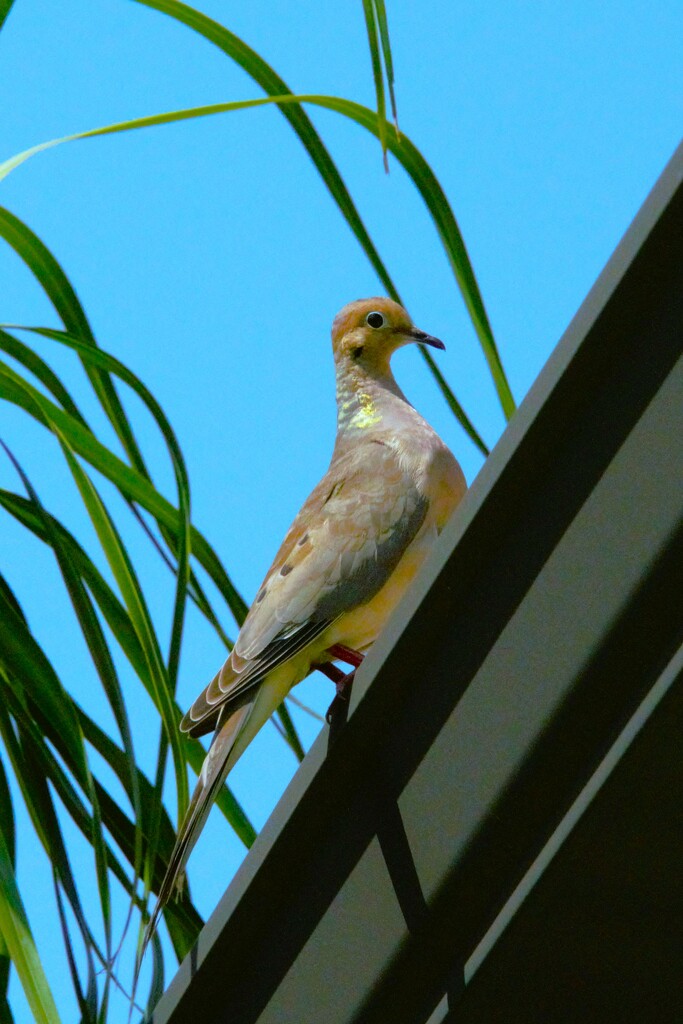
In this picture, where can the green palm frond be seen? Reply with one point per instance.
(55, 757)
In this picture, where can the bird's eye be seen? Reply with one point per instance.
(374, 320)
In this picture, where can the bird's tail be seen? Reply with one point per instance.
(234, 732)
(218, 762)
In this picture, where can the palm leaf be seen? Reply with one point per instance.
(99, 651)
(289, 104)
(383, 27)
(98, 358)
(58, 289)
(25, 756)
(425, 180)
(119, 622)
(28, 670)
(19, 943)
(132, 484)
(5, 8)
(274, 86)
(47, 736)
(7, 831)
(378, 77)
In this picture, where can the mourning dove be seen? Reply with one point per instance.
(347, 558)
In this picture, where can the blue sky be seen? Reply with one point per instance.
(211, 260)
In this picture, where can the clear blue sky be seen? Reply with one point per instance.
(210, 258)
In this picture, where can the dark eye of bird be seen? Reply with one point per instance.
(374, 320)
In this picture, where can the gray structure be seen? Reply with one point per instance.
(497, 833)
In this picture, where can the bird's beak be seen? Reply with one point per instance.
(425, 339)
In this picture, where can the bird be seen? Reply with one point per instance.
(348, 557)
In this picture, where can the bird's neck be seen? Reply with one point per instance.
(365, 399)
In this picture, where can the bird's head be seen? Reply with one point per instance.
(366, 333)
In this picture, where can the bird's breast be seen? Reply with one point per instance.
(444, 486)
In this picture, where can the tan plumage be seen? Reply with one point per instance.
(347, 558)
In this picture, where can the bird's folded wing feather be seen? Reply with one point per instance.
(339, 552)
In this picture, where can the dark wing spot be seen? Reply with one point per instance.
(286, 569)
(261, 595)
(335, 490)
(302, 541)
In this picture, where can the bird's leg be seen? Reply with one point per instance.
(343, 681)
(340, 705)
(339, 708)
(331, 671)
(340, 652)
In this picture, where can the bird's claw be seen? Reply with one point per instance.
(338, 709)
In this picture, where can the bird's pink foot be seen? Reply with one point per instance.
(339, 708)
(343, 681)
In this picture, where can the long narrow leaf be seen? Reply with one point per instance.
(37, 663)
(113, 611)
(87, 1001)
(94, 637)
(119, 622)
(126, 578)
(271, 83)
(25, 755)
(114, 366)
(58, 289)
(39, 368)
(98, 358)
(7, 831)
(19, 942)
(274, 86)
(131, 483)
(376, 60)
(428, 186)
(22, 658)
(383, 26)
(278, 92)
(5, 8)
(186, 921)
(90, 628)
(134, 600)
(29, 359)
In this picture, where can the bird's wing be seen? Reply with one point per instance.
(339, 552)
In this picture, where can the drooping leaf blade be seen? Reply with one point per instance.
(5, 8)
(383, 26)
(31, 361)
(26, 665)
(20, 944)
(132, 484)
(24, 748)
(117, 618)
(103, 359)
(378, 77)
(58, 289)
(416, 166)
(6, 830)
(266, 77)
